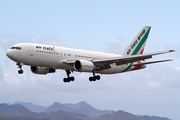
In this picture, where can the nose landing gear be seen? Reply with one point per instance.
(20, 66)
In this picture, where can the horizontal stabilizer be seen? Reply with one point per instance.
(151, 62)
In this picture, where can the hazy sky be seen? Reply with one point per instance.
(98, 25)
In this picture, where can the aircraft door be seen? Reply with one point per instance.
(31, 51)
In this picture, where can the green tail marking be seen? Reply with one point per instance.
(138, 47)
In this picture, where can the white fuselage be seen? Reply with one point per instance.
(54, 57)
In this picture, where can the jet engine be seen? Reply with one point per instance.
(83, 66)
(42, 70)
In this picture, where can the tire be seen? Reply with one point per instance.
(20, 71)
(98, 77)
(90, 79)
(72, 78)
(68, 79)
(94, 78)
(65, 80)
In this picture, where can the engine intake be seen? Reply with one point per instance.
(83, 66)
(42, 70)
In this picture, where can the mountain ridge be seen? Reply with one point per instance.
(81, 107)
(16, 110)
(32, 107)
(120, 115)
(20, 112)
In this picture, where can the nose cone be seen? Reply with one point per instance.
(10, 54)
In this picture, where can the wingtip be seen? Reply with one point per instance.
(172, 50)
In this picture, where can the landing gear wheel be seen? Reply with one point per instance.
(90, 79)
(65, 80)
(68, 79)
(98, 77)
(72, 78)
(94, 78)
(20, 71)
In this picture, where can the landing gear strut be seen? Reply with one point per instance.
(94, 78)
(68, 79)
(20, 66)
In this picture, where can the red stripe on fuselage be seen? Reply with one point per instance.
(137, 67)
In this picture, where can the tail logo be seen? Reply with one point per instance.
(141, 34)
(136, 42)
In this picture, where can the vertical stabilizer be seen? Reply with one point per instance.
(138, 43)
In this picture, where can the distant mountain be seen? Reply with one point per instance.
(146, 117)
(32, 107)
(4, 108)
(119, 115)
(81, 107)
(56, 107)
(16, 111)
(22, 118)
(79, 111)
(3, 118)
(61, 115)
(78, 114)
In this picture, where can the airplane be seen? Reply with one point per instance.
(44, 59)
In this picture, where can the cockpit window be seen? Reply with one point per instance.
(17, 48)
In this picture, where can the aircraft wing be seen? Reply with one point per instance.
(128, 59)
(105, 63)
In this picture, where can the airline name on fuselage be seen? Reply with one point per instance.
(46, 48)
(136, 42)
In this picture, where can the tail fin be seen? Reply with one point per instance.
(138, 43)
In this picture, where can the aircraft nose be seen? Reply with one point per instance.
(9, 53)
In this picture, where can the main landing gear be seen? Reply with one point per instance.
(94, 78)
(68, 79)
(20, 66)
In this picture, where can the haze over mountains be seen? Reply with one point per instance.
(58, 111)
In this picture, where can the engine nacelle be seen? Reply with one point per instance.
(83, 66)
(42, 70)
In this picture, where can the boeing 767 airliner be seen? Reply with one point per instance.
(45, 59)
